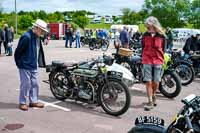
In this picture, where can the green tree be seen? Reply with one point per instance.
(52, 17)
(25, 21)
(10, 20)
(80, 18)
(1, 15)
(194, 15)
(126, 15)
(42, 15)
(171, 13)
(131, 17)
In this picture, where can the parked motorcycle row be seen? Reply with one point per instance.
(105, 82)
(93, 43)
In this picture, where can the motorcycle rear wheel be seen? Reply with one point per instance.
(109, 94)
(58, 85)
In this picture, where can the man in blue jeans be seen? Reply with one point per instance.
(28, 56)
(78, 34)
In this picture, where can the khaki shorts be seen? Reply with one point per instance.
(152, 72)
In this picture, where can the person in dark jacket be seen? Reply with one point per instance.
(28, 56)
(68, 36)
(6, 37)
(153, 47)
(190, 44)
(10, 37)
(1, 38)
(169, 38)
(124, 38)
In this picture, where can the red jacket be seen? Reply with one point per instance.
(153, 49)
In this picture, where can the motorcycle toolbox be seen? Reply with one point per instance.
(125, 52)
(85, 72)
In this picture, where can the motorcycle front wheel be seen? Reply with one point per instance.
(170, 85)
(186, 73)
(114, 97)
(147, 129)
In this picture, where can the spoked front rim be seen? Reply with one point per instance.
(168, 83)
(113, 97)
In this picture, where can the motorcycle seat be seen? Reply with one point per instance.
(64, 64)
(57, 63)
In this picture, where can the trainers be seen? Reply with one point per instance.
(37, 105)
(148, 106)
(23, 107)
(154, 101)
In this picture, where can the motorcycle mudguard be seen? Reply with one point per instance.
(126, 73)
(183, 62)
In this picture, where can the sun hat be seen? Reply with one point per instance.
(41, 24)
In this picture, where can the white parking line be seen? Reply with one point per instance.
(52, 104)
(135, 88)
(55, 106)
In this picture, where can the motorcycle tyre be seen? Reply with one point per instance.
(59, 97)
(128, 98)
(178, 86)
(192, 76)
(147, 129)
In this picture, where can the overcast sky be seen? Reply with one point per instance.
(103, 7)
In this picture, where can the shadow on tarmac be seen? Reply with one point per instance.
(141, 93)
(8, 105)
(78, 106)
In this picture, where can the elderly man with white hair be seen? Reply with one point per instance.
(29, 55)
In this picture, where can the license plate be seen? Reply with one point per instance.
(149, 120)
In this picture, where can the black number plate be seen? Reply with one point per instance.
(149, 120)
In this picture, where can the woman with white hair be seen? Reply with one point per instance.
(153, 45)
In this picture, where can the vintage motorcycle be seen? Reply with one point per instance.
(90, 82)
(100, 43)
(183, 67)
(170, 85)
(194, 59)
(187, 120)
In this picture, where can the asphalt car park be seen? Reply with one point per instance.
(70, 116)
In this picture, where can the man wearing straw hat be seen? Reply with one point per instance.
(28, 56)
(153, 46)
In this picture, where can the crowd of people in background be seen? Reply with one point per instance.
(74, 35)
(124, 37)
(6, 38)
